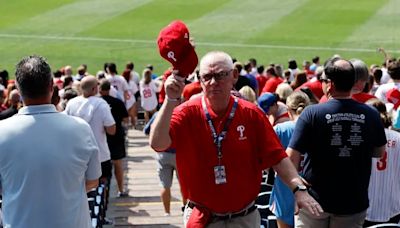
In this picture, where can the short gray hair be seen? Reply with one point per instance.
(361, 69)
(33, 76)
(216, 57)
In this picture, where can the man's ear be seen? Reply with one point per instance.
(51, 89)
(359, 85)
(235, 74)
(330, 87)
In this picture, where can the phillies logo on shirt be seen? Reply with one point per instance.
(241, 129)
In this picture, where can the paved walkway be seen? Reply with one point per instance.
(143, 207)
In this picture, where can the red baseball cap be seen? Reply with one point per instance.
(393, 96)
(174, 46)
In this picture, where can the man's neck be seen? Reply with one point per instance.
(219, 106)
(39, 101)
(87, 95)
(340, 95)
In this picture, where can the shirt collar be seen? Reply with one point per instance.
(37, 109)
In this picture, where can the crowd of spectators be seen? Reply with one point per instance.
(281, 91)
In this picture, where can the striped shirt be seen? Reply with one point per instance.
(384, 187)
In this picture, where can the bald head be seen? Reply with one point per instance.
(215, 61)
(14, 97)
(341, 73)
(89, 85)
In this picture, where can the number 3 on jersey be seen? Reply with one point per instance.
(382, 163)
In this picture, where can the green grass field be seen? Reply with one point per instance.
(71, 32)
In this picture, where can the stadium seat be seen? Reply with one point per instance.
(269, 222)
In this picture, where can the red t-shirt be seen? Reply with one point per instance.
(323, 99)
(249, 147)
(362, 97)
(261, 82)
(191, 89)
(271, 84)
(315, 87)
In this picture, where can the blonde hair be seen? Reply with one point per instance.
(283, 90)
(248, 93)
(297, 101)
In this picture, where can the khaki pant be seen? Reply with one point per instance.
(251, 220)
(328, 220)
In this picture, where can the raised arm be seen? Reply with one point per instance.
(159, 134)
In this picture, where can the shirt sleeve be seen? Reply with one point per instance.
(300, 140)
(67, 109)
(108, 119)
(380, 95)
(154, 86)
(177, 120)
(270, 150)
(379, 129)
(134, 87)
(93, 171)
(125, 85)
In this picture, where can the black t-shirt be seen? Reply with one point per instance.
(119, 112)
(8, 112)
(338, 137)
(241, 82)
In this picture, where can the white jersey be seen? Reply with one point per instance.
(384, 186)
(148, 95)
(119, 83)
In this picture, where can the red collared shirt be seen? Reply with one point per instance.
(249, 147)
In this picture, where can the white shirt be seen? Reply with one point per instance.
(384, 185)
(119, 83)
(135, 77)
(132, 89)
(293, 72)
(385, 76)
(148, 95)
(383, 89)
(97, 113)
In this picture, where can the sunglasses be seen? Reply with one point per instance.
(217, 76)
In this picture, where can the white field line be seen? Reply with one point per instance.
(233, 45)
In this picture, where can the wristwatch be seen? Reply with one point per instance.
(299, 187)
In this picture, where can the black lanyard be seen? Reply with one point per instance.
(218, 138)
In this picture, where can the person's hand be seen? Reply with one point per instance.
(305, 201)
(174, 86)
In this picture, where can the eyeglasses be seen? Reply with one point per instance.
(326, 80)
(217, 76)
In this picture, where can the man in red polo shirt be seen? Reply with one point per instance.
(222, 144)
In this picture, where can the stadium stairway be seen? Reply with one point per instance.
(143, 207)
